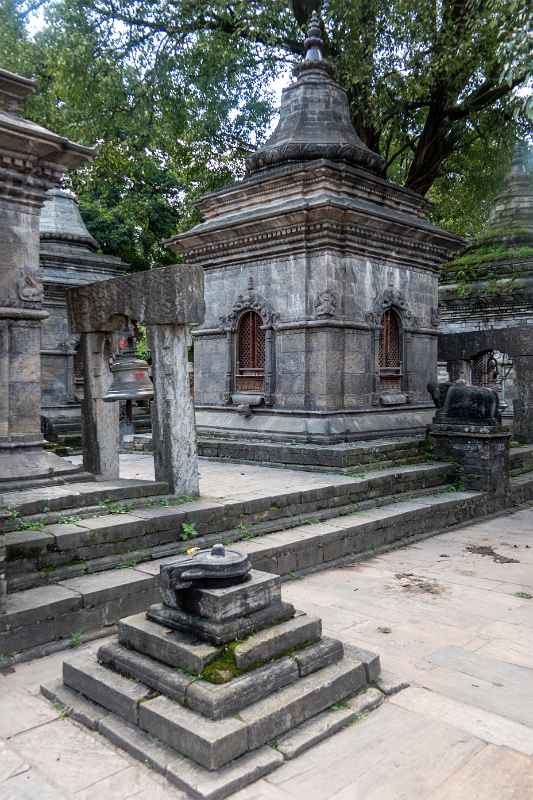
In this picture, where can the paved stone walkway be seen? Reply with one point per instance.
(455, 622)
(219, 479)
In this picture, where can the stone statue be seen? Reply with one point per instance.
(459, 403)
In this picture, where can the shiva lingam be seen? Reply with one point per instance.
(215, 567)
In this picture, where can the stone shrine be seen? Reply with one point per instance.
(69, 258)
(486, 299)
(320, 281)
(226, 684)
(32, 160)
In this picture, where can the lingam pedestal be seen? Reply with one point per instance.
(221, 682)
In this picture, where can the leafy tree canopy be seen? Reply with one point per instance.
(176, 93)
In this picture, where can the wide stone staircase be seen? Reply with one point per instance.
(81, 557)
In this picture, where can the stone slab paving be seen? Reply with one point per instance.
(455, 623)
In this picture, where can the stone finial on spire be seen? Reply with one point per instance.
(314, 44)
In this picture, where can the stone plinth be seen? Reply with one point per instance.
(481, 451)
(214, 716)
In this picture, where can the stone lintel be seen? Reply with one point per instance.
(167, 295)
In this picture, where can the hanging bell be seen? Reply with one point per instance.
(130, 376)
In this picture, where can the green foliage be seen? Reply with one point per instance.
(112, 507)
(176, 95)
(188, 531)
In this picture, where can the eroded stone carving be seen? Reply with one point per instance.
(30, 288)
(251, 301)
(326, 304)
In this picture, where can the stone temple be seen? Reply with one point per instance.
(321, 284)
(486, 299)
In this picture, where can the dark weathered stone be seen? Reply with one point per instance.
(172, 647)
(227, 603)
(167, 295)
(316, 656)
(223, 700)
(219, 633)
(211, 743)
(217, 566)
(460, 404)
(273, 642)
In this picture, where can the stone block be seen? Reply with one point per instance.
(171, 647)
(96, 590)
(37, 605)
(162, 679)
(211, 743)
(74, 705)
(279, 713)
(231, 602)
(185, 774)
(104, 687)
(273, 642)
(27, 544)
(370, 661)
(219, 633)
(217, 701)
(319, 655)
(327, 723)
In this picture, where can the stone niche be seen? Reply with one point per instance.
(69, 258)
(321, 284)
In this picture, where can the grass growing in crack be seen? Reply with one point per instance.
(245, 531)
(457, 486)
(524, 595)
(168, 502)
(75, 639)
(69, 520)
(188, 531)
(113, 507)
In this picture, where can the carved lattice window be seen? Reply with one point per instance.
(250, 353)
(390, 351)
(484, 369)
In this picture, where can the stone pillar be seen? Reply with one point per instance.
(173, 421)
(100, 420)
(483, 456)
(32, 160)
(523, 402)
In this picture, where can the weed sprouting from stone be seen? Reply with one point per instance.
(113, 507)
(524, 595)
(188, 531)
(75, 639)
(245, 531)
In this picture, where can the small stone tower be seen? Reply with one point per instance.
(68, 258)
(320, 281)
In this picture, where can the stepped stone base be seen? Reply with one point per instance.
(214, 715)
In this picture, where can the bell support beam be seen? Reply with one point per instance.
(168, 300)
(100, 420)
(173, 422)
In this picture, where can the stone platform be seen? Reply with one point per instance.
(216, 711)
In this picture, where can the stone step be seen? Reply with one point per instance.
(213, 743)
(188, 776)
(303, 455)
(217, 701)
(76, 495)
(33, 621)
(328, 722)
(78, 546)
(521, 459)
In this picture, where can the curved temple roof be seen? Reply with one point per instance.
(61, 220)
(315, 119)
